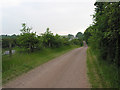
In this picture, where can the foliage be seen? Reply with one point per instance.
(49, 40)
(104, 34)
(70, 36)
(7, 39)
(77, 42)
(27, 39)
(31, 42)
(99, 73)
(87, 33)
(79, 35)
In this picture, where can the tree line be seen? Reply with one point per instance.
(31, 41)
(104, 34)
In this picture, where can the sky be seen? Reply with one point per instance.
(61, 16)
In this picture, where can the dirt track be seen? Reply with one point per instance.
(66, 71)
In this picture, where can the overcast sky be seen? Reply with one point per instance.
(61, 16)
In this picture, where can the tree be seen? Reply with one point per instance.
(58, 42)
(70, 36)
(79, 35)
(27, 38)
(77, 42)
(104, 34)
(48, 38)
(87, 34)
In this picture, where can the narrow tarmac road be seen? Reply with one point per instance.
(66, 71)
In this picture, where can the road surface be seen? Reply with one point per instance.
(66, 71)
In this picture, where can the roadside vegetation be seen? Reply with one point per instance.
(32, 50)
(22, 62)
(103, 38)
(101, 73)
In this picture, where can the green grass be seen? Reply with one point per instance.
(101, 74)
(20, 63)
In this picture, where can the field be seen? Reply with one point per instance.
(20, 63)
(101, 74)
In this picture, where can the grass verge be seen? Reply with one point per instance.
(101, 74)
(20, 63)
